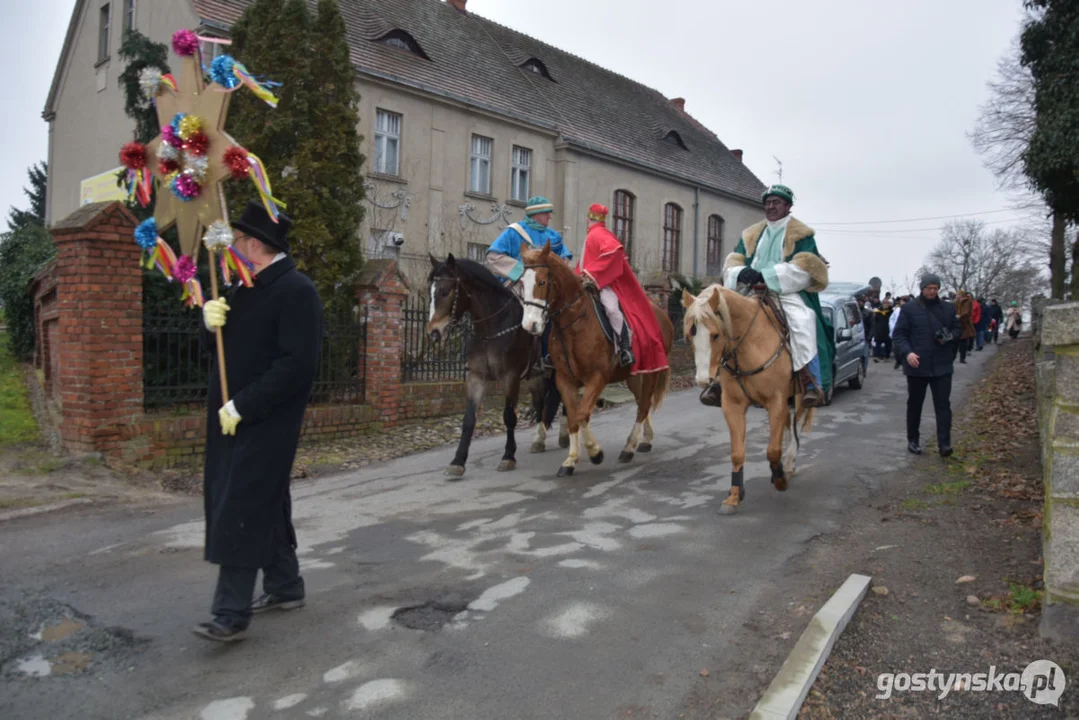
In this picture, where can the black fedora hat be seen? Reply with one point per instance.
(257, 223)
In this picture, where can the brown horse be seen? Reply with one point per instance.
(584, 358)
(739, 342)
(499, 351)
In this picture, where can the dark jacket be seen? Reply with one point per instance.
(881, 331)
(986, 316)
(273, 340)
(915, 332)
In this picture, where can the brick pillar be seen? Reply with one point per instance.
(99, 344)
(382, 291)
(1058, 380)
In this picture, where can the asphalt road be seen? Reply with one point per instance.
(616, 593)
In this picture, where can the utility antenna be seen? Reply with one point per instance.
(779, 171)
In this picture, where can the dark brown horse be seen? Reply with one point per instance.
(500, 351)
(584, 358)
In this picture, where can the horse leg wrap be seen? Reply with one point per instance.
(736, 482)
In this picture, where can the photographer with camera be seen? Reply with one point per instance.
(925, 335)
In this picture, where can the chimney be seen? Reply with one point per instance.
(737, 155)
(458, 5)
(679, 103)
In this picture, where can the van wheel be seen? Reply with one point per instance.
(858, 380)
(830, 392)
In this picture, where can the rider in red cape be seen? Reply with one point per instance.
(603, 261)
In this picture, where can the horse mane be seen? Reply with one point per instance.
(474, 273)
(701, 309)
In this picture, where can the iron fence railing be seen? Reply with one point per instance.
(424, 361)
(177, 357)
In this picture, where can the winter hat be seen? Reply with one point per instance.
(930, 279)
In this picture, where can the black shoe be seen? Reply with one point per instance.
(914, 447)
(712, 395)
(625, 358)
(945, 451)
(219, 632)
(273, 602)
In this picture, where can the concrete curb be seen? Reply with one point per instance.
(39, 509)
(784, 697)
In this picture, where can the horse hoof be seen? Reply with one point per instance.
(563, 442)
(538, 447)
(725, 509)
(644, 447)
(455, 472)
(596, 459)
(507, 465)
(565, 471)
(780, 483)
(625, 457)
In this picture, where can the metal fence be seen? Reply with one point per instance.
(424, 361)
(177, 357)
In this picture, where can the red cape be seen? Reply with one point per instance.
(604, 260)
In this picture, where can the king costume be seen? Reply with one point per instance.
(603, 260)
(504, 255)
(785, 253)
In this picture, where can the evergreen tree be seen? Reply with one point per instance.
(39, 174)
(328, 199)
(140, 52)
(22, 253)
(309, 143)
(1050, 49)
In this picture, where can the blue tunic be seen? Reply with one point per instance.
(510, 241)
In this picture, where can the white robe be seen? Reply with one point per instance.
(789, 281)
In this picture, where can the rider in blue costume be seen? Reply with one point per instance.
(504, 255)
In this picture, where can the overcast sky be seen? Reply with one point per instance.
(866, 103)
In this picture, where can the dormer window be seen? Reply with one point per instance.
(675, 139)
(403, 41)
(536, 66)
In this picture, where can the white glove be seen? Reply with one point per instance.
(213, 314)
(229, 419)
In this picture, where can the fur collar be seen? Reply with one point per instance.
(796, 230)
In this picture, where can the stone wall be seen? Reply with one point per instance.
(1057, 343)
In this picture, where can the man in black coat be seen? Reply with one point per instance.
(924, 336)
(272, 340)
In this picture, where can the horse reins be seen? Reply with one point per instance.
(454, 321)
(559, 327)
(729, 359)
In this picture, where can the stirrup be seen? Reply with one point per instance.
(625, 358)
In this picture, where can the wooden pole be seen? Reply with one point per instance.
(220, 339)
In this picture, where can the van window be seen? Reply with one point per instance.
(854, 315)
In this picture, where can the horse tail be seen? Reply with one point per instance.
(659, 391)
(807, 420)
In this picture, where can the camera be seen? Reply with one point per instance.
(944, 335)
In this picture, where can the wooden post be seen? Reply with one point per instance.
(220, 339)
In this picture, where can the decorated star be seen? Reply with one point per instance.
(210, 105)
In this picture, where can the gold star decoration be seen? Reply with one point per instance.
(210, 104)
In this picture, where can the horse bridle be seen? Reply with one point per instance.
(729, 360)
(454, 321)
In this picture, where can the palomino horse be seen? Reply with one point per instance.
(739, 342)
(500, 350)
(583, 357)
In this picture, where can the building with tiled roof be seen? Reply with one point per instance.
(462, 119)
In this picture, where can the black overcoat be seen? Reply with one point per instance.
(273, 340)
(915, 331)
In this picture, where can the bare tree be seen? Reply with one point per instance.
(1007, 121)
(985, 263)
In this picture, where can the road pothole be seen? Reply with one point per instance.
(431, 616)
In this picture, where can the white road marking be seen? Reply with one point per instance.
(492, 596)
(235, 708)
(289, 701)
(375, 692)
(580, 564)
(377, 618)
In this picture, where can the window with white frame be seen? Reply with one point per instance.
(521, 175)
(104, 22)
(478, 252)
(387, 142)
(129, 16)
(480, 166)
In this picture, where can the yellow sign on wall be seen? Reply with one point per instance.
(101, 187)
